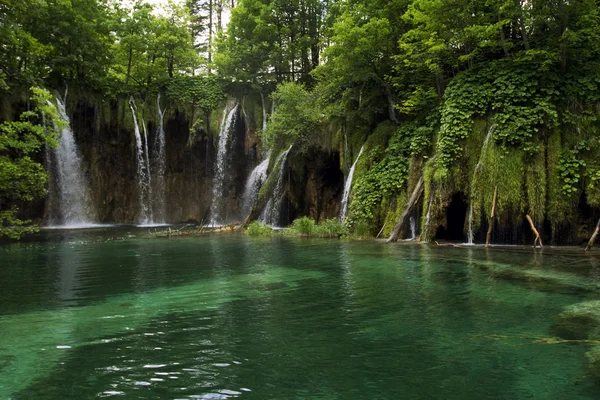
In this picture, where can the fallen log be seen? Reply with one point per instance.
(489, 232)
(412, 202)
(535, 232)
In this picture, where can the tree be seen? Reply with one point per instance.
(198, 92)
(22, 178)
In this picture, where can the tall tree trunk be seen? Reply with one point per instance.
(521, 23)
(129, 61)
(219, 15)
(492, 216)
(210, 32)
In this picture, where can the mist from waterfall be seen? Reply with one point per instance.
(70, 194)
(227, 125)
(348, 187)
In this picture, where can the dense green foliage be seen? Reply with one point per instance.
(22, 178)
(410, 78)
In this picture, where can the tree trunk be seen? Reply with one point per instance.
(210, 32)
(593, 238)
(489, 232)
(412, 203)
(130, 58)
(522, 24)
(219, 15)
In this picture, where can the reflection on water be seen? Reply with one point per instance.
(111, 313)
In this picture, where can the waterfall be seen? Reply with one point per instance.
(72, 194)
(271, 213)
(159, 157)
(218, 181)
(413, 228)
(143, 171)
(264, 112)
(470, 231)
(428, 215)
(147, 166)
(348, 187)
(255, 181)
(478, 167)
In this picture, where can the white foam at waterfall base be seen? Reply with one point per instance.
(220, 167)
(348, 187)
(71, 192)
(77, 226)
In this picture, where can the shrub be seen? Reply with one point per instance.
(331, 228)
(257, 228)
(304, 226)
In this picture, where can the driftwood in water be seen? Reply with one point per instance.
(593, 238)
(489, 232)
(535, 232)
(412, 202)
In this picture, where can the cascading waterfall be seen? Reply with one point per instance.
(159, 157)
(348, 187)
(72, 192)
(478, 167)
(143, 170)
(271, 213)
(428, 215)
(255, 181)
(147, 166)
(413, 228)
(218, 181)
(264, 112)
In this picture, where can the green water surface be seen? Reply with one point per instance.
(111, 312)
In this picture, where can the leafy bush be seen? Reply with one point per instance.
(295, 116)
(518, 93)
(257, 228)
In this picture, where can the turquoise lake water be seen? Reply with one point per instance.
(114, 313)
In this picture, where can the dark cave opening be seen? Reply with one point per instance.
(456, 214)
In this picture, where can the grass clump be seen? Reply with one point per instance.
(331, 228)
(257, 228)
(303, 226)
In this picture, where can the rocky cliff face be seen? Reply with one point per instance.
(108, 151)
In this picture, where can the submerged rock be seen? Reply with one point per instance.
(5, 361)
(593, 361)
(580, 321)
